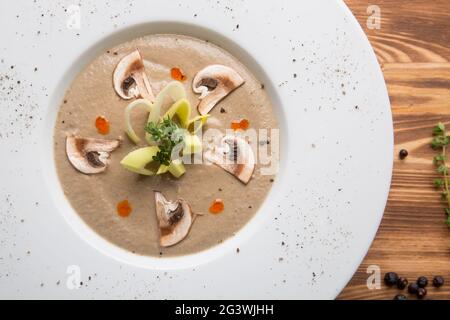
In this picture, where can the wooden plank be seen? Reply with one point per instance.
(411, 31)
(413, 48)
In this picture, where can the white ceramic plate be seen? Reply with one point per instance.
(322, 214)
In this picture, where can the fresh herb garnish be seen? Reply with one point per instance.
(167, 134)
(440, 143)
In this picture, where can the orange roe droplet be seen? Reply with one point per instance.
(102, 125)
(124, 208)
(217, 206)
(242, 124)
(177, 74)
(235, 125)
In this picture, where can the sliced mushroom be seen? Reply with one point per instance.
(130, 80)
(214, 83)
(234, 155)
(175, 219)
(89, 156)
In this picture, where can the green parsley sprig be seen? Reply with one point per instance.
(440, 143)
(167, 134)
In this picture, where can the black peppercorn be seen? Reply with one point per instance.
(403, 154)
(438, 281)
(390, 278)
(412, 288)
(402, 283)
(421, 293)
(400, 297)
(422, 282)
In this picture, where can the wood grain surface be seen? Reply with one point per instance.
(413, 48)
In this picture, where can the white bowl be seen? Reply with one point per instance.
(324, 209)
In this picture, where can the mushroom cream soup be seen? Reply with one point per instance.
(129, 127)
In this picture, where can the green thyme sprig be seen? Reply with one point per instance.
(167, 134)
(440, 143)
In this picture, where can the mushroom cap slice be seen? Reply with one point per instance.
(214, 83)
(88, 155)
(235, 156)
(129, 78)
(175, 219)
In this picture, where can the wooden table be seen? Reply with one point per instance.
(413, 48)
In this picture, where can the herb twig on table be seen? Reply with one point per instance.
(167, 134)
(440, 143)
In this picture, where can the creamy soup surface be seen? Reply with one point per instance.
(95, 197)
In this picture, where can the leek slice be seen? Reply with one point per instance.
(197, 122)
(182, 109)
(136, 160)
(129, 128)
(162, 169)
(174, 90)
(176, 168)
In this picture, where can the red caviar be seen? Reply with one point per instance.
(102, 125)
(242, 124)
(217, 206)
(177, 74)
(124, 208)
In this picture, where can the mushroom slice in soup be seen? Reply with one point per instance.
(234, 155)
(130, 80)
(89, 156)
(175, 219)
(214, 83)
